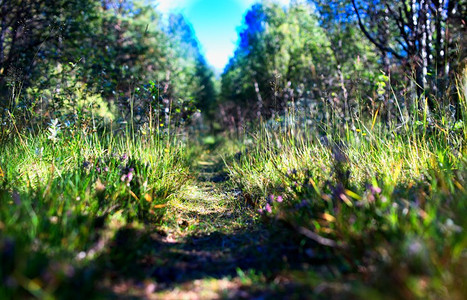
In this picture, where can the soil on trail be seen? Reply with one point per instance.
(210, 247)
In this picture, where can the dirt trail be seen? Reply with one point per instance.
(210, 248)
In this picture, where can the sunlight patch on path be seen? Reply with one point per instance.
(207, 204)
(200, 289)
(200, 200)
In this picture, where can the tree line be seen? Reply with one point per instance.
(351, 56)
(335, 59)
(59, 57)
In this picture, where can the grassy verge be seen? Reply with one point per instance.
(63, 190)
(381, 208)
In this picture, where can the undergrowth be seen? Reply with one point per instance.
(62, 190)
(384, 206)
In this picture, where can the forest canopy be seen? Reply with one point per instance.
(353, 56)
(117, 51)
(350, 56)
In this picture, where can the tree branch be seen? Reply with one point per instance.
(372, 39)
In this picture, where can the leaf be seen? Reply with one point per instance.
(374, 119)
(133, 195)
(328, 217)
(346, 200)
(147, 197)
(353, 195)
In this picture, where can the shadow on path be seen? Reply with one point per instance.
(226, 245)
(137, 256)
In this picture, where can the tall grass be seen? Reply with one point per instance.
(60, 192)
(384, 205)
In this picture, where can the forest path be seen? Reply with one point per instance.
(210, 247)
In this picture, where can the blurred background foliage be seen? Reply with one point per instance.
(337, 59)
(105, 50)
(353, 57)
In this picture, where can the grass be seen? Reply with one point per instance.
(328, 211)
(59, 197)
(385, 207)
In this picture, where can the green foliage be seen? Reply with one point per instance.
(349, 164)
(387, 210)
(62, 190)
(296, 54)
(191, 77)
(105, 49)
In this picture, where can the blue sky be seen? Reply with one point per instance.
(215, 23)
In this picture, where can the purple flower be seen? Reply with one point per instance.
(270, 199)
(268, 208)
(106, 169)
(279, 199)
(375, 190)
(260, 211)
(124, 157)
(129, 177)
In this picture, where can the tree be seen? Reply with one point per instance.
(282, 55)
(424, 35)
(312, 54)
(192, 77)
(355, 77)
(33, 32)
(110, 48)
